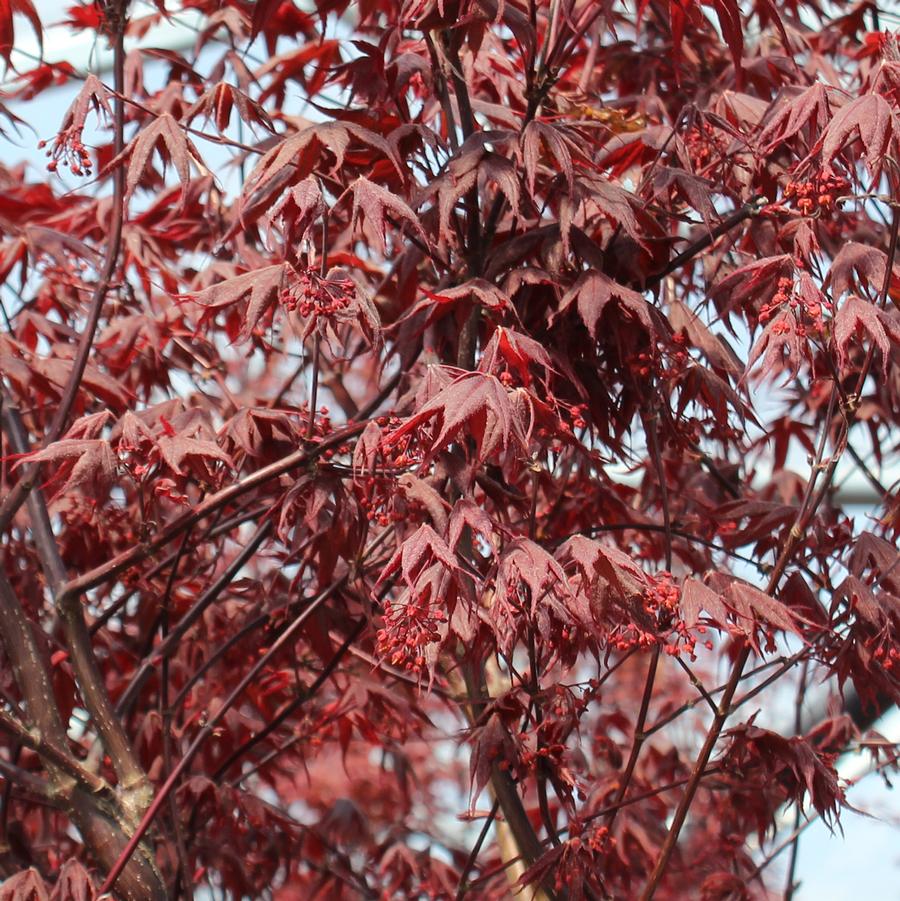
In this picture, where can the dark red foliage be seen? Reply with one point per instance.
(421, 424)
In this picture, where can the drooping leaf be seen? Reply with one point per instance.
(720, 355)
(872, 120)
(423, 547)
(854, 316)
(218, 104)
(8, 10)
(86, 464)
(592, 293)
(697, 598)
(294, 158)
(512, 349)
(94, 95)
(73, 883)
(539, 135)
(779, 346)
(176, 450)
(754, 283)
(172, 144)
(26, 885)
(259, 288)
(789, 765)
(379, 206)
(755, 608)
(473, 405)
(809, 109)
(856, 263)
(298, 209)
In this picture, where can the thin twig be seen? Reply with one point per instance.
(29, 477)
(204, 734)
(476, 848)
(795, 844)
(172, 640)
(747, 211)
(808, 508)
(293, 706)
(215, 502)
(182, 872)
(640, 735)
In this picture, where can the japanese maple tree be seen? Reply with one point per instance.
(420, 423)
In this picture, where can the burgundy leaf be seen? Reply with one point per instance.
(854, 316)
(475, 405)
(170, 141)
(378, 205)
(593, 292)
(871, 119)
(73, 883)
(259, 287)
(24, 886)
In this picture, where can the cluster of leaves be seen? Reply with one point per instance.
(407, 403)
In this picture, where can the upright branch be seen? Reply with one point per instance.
(114, 16)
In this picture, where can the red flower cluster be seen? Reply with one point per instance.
(811, 306)
(68, 148)
(583, 853)
(378, 501)
(661, 362)
(661, 598)
(819, 193)
(552, 753)
(408, 627)
(400, 451)
(658, 621)
(705, 146)
(887, 656)
(312, 295)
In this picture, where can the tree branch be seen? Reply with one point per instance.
(811, 501)
(78, 638)
(112, 568)
(293, 706)
(204, 734)
(171, 642)
(116, 14)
